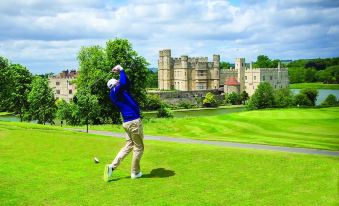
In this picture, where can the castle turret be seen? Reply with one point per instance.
(240, 67)
(215, 72)
(164, 69)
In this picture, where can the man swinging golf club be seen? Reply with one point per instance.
(130, 112)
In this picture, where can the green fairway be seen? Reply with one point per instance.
(316, 85)
(42, 165)
(309, 128)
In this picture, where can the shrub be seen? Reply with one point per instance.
(164, 112)
(330, 100)
(311, 95)
(263, 97)
(244, 97)
(210, 100)
(153, 102)
(283, 98)
(302, 100)
(234, 98)
(186, 104)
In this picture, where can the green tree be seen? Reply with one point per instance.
(120, 51)
(283, 98)
(210, 100)
(63, 110)
(95, 70)
(296, 74)
(310, 75)
(234, 98)
(153, 79)
(225, 65)
(88, 106)
(41, 101)
(21, 87)
(153, 102)
(263, 97)
(311, 94)
(164, 112)
(301, 100)
(263, 62)
(244, 97)
(330, 100)
(6, 79)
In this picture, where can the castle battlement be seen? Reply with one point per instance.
(271, 69)
(187, 73)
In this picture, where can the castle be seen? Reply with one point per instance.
(187, 74)
(197, 74)
(243, 78)
(62, 84)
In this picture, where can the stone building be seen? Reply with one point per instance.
(62, 84)
(186, 73)
(249, 78)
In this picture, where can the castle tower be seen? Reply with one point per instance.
(184, 73)
(240, 67)
(215, 72)
(164, 69)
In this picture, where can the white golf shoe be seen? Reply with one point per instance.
(107, 172)
(135, 176)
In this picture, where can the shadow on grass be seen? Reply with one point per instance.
(155, 173)
(159, 173)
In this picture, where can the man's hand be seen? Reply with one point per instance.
(117, 69)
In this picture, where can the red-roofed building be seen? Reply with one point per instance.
(231, 85)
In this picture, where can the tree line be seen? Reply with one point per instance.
(29, 96)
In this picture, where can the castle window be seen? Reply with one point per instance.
(254, 77)
(263, 78)
(70, 91)
(57, 83)
(271, 77)
(245, 77)
(58, 91)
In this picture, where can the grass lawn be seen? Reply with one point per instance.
(309, 128)
(40, 165)
(316, 85)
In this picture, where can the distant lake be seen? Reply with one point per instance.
(322, 94)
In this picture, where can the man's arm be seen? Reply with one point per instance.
(124, 82)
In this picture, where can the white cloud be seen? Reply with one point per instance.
(46, 35)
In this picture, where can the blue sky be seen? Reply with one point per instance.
(46, 36)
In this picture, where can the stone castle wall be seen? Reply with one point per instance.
(187, 73)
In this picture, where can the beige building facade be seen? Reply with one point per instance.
(249, 78)
(186, 73)
(62, 85)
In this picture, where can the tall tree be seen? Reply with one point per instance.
(5, 83)
(42, 103)
(88, 106)
(263, 97)
(95, 70)
(21, 87)
(263, 62)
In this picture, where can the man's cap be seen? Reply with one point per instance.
(111, 83)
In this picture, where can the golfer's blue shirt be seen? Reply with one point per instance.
(122, 99)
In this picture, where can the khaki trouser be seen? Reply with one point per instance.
(134, 140)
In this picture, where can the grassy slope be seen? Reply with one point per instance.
(310, 128)
(316, 85)
(54, 167)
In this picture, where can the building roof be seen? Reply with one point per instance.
(232, 81)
